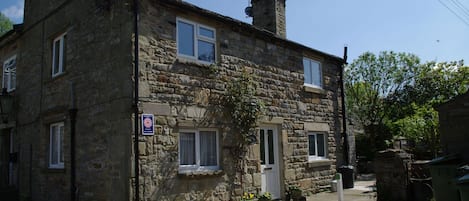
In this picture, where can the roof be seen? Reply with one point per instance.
(261, 33)
(10, 35)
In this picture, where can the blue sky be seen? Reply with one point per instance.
(422, 27)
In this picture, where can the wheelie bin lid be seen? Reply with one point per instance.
(448, 159)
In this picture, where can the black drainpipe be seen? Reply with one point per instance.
(135, 105)
(344, 118)
(73, 119)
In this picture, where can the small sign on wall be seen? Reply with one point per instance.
(147, 124)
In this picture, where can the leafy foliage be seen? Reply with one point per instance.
(393, 95)
(243, 107)
(370, 79)
(5, 24)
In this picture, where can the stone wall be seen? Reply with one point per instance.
(183, 93)
(99, 63)
(392, 169)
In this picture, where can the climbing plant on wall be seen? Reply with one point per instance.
(243, 108)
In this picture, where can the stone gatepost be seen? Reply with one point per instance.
(392, 180)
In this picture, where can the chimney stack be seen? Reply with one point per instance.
(270, 15)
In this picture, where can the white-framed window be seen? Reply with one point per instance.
(312, 73)
(56, 155)
(9, 74)
(198, 150)
(59, 45)
(317, 146)
(195, 41)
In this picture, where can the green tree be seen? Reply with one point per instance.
(369, 80)
(392, 94)
(5, 24)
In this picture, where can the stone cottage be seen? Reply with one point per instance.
(73, 125)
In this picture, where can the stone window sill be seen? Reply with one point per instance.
(319, 163)
(54, 170)
(193, 62)
(201, 173)
(312, 89)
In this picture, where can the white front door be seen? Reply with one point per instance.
(270, 173)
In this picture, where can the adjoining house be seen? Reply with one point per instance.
(70, 71)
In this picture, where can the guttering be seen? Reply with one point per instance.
(135, 104)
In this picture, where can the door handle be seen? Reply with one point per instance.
(268, 168)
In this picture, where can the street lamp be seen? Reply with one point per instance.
(6, 105)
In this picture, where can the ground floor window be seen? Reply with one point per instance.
(317, 146)
(56, 156)
(198, 150)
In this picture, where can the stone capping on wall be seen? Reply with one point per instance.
(320, 163)
(197, 174)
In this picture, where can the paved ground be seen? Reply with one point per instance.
(364, 190)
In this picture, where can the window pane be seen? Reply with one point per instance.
(185, 38)
(61, 141)
(262, 139)
(187, 148)
(312, 145)
(63, 53)
(321, 145)
(206, 32)
(270, 137)
(6, 76)
(53, 146)
(316, 73)
(13, 77)
(307, 71)
(56, 58)
(208, 148)
(206, 51)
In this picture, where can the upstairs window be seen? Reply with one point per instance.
(198, 150)
(312, 73)
(9, 74)
(58, 55)
(317, 146)
(56, 155)
(195, 41)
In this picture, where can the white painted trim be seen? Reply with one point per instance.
(8, 87)
(60, 69)
(196, 36)
(197, 167)
(310, 61)
(316, 157)
(59, 165)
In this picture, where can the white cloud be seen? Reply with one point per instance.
(15, 12)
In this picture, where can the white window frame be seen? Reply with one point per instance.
(59, 164)
(61, 40)
(197, 36)
(8, 74)
(310, 61)
(316, 157)
(197, 167)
